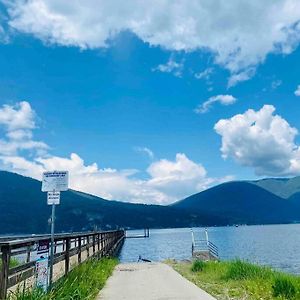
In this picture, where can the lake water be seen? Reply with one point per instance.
(275, 245)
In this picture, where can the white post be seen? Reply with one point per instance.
(52, 245)
(193, 238)
(206, 236)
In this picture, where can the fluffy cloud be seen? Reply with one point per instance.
(239, 33)
(166, 181)
(223, 99)
(297, 92)
(18, 122)
(170, 67)
(261, 140)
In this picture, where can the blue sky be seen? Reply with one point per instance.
(125, 97)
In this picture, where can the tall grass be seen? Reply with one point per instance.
(84, 282)
(13, 262)
(198, 265)
(241, 270)
(241, 280)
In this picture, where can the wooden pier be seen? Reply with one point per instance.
(70, 250)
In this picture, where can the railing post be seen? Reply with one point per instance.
(101, 242)
(67, 255)
(94, 244)
(88, 246)
(28, 254)
(4, 271)
(79, 250)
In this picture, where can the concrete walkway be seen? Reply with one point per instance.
(150, 281)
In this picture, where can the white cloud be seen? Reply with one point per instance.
(204, 74)
(275, 84)
(145, 150)
(166, 181)
(297, 92)
(240, 34)
(261, 140)
(237, 77)
(223, 99)
(20, 116)
(18, 122)
(170, 67)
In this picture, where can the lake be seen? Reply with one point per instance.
(275, 245)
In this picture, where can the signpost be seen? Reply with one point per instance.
(54, 183)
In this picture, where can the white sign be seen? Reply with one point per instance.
(56, 181)
(41, 267)
(53, 198)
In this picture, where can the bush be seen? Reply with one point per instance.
(284, 287)
(198, 266)
(240, 270)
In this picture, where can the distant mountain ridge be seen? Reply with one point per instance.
(282, 187)
(243, 203)
(23, 207)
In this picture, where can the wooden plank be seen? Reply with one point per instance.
(4, 271)
(67, 259)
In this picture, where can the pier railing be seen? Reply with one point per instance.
(204, 245)
(70, 250)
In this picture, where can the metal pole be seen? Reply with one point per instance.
(52, 245)
(206, 236)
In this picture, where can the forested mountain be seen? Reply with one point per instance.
(23, 207)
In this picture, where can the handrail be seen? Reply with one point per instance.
(94, 244)
(205, 245)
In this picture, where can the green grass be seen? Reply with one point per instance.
(239, 280)
(83, 282)
(13, 262)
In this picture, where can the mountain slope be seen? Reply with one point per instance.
(23, 209)
(282, 187)
(242, 202)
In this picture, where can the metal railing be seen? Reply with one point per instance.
(67, 246)
(204, 245)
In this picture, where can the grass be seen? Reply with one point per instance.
(83, 282)
(13, 262)
(239, 280)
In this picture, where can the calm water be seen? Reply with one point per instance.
(274, 245)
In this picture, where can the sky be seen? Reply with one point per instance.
(150, 101)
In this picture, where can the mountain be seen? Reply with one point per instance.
(282, 187)
(242, 202)
(23, 209)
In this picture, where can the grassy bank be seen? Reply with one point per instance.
(238, 280)
(84, 282)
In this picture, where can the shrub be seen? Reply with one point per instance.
(284, 287)
(240, 270)
(198, 266)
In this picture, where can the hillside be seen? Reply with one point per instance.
(282, 187)
(23, 209)
(242, 202)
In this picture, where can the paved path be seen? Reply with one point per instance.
(150, 281)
